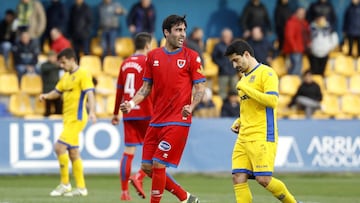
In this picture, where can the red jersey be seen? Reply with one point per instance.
(128, 83)
(172, 75)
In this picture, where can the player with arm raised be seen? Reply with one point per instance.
(136, 122)
(171, 73)
(76, 87)
(255, 148)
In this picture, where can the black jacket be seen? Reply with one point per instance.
(80, 21)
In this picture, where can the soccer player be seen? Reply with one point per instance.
(255, 148)
(136, 122)
(171, 72)
(76, 87)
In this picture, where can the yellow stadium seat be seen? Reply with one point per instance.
(112, 65)
(91, 63)
(282, 108)
(20, 105)
(336, 84)
(319, 79)
(162, 42)
(154, 43)
(354, 84)
(105, 85)
(358, 65)
(31, 84)
(330, 105)
(279, 65)
(289, 84)
(46, 46)
(210, 44)
(110, 103)
(350, 104)
(95, 46)
(344, 65)
(124, 46)
(305, 64)
(100, 106)
(210, 68)
(3, 68)
(9, 84)
(39, 108)
(218, 101)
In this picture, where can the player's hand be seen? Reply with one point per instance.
(92, 117)
(115, 120)
(125, 107)
(186, 111)
(42, 97)
(235, 127)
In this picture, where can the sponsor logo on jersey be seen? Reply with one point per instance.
(181, 63)
(164, 146)
(156, 63)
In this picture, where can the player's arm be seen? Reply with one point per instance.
(197, 97)
(235, 127)
(91, 102)
(140, 95)
(119, 97)
(54, 94)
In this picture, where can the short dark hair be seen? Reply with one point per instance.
(172, 20)
(10, 12)
(239, 47)
(141, 39)
(68, 53)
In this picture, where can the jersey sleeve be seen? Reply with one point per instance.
(119, 91)
(86, 82)
(271, 81)
(196, 68)
(148, 69)
(59, 85)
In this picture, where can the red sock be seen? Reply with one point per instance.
(157, 184)
(140, 175)
(173, 187)
(125, 170)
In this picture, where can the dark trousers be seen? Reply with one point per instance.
(318, 64)
(352, 40)
(57, 103)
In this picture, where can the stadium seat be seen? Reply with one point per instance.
(110, 103)
(100, 106)
(305, 64)
(358, 65)
(112, 65)
(31, 84)
(9, 84)
(95, 46)
(3, 68)
(319, 79)
(336, 84)
(344, 65)
(210, 44)
(124, 46)
(282, 108)
(210, 68)
(92, 63)
(330, 105)
(162, 42)
(20, 104)
(289, 84)
(154, 43)
(39, 106)
(279, 65)
(105, 85)
(218, 103)
(46, 46)
(350, 105)
(354, 84)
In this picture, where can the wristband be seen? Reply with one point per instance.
(132, 104)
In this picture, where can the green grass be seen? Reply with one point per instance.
(320, 188)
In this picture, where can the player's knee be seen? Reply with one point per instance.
(147, 169)
(239, 178)
(263, 180)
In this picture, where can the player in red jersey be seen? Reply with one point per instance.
(137, 121)
(171, 73)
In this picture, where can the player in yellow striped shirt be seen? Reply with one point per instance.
(76, 87)
(255, 148)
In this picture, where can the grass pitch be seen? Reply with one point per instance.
(320, 188)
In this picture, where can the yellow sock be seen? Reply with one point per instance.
(242, 193)
(279, 190)
(78, 172)
(64, 168)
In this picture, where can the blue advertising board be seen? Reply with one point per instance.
(304, 146)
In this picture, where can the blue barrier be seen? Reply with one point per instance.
(304, 146)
